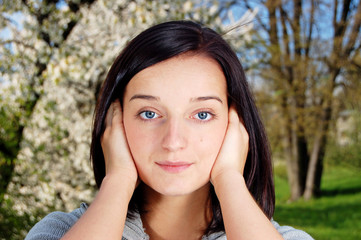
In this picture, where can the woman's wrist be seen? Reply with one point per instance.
(120, 182)
(227, 178)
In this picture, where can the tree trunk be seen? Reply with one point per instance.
(296, 151)
(312, 169)
(297, 167)
(292, 168)
(297, 163)
(314, 173)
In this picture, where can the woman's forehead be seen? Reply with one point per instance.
(188, 74)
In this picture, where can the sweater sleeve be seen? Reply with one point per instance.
(55, 225)
(290, 233)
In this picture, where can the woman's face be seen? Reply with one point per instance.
(175, 119)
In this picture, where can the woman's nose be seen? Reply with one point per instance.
(174, 136)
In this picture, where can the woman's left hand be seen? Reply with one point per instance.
(233, 153)
(242, 216)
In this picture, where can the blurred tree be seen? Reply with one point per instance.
(349, 101)
(48, 28)
(351, 97)
(32, 31)
(304, 46)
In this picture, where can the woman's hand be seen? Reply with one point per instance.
(117, 156)
(233, 153)
(242, 216)
(105, 217)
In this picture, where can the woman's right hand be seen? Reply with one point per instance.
(117, 156)
(106, 215)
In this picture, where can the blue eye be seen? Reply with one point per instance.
(203, 116)
(148, 115)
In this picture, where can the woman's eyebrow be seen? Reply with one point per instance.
(145, 97)
(154, 98)
(205, 98)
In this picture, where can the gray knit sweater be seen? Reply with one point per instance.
(56, 224)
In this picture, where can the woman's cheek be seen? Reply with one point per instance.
(141, 143)
(133, 136)
(219, 139)
(213, 146)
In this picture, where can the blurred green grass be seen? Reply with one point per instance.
(335, 215)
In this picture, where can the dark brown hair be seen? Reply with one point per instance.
(167, 40)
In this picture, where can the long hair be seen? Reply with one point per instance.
(167, 40)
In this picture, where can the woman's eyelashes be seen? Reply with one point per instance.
(148, 115)
(202, 116)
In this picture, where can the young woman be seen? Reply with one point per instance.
(178, 147)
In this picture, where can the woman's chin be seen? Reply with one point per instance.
(175, 189)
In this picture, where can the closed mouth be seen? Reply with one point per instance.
(174, 167)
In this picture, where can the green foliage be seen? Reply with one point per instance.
(281, 183)
(9, 143)
(13, 225)
(335, 215)
(9, 125)
(348, 155)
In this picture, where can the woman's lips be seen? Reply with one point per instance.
(174, 167)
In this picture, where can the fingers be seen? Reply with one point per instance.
(117, 112)
(238, 137)
(234, 120)
(233, 115)
(109, 116)
(234, 150)
(114, 114)
(114, 143)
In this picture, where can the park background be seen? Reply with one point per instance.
(302, 59)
